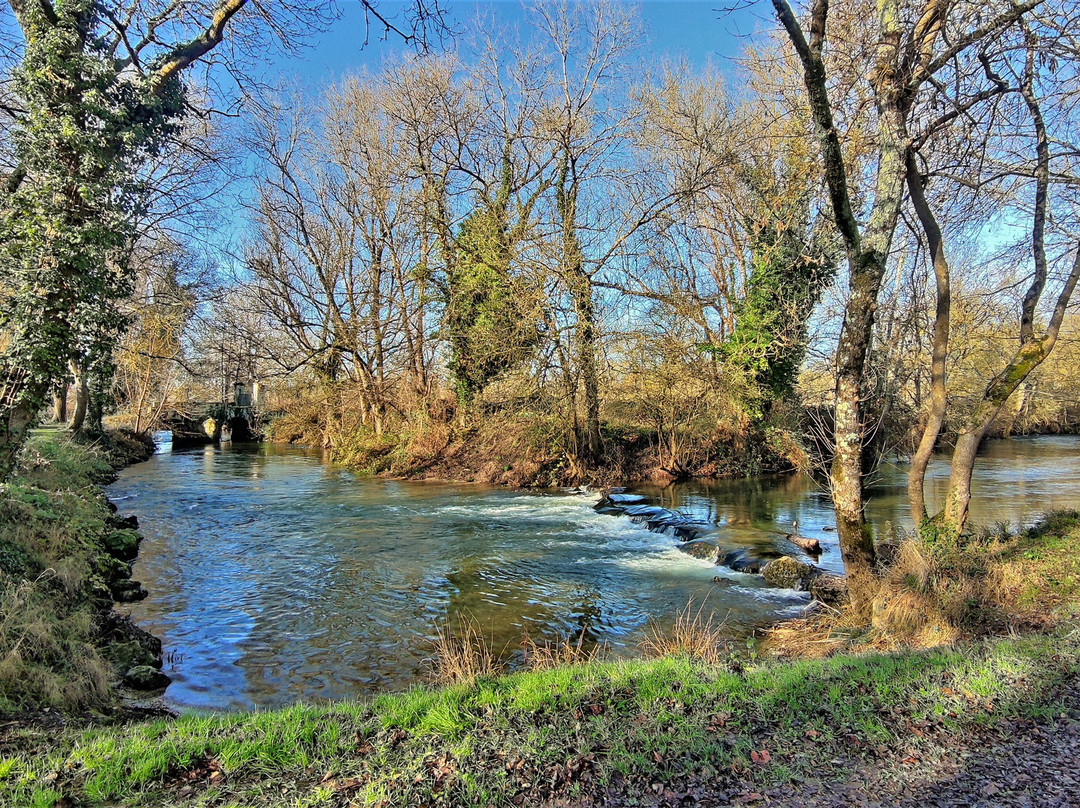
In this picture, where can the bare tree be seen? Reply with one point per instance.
(912, 43)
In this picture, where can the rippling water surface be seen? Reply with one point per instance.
(275, 577)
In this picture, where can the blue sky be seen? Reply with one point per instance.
(698, 31)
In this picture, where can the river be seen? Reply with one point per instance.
(275, 577)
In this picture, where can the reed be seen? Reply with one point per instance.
(695, 634)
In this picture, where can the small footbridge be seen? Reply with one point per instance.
(200, 422)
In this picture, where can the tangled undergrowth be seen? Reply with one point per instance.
(520, 442)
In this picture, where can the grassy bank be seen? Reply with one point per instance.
(569, 732)
(64, 559)
(651, 729)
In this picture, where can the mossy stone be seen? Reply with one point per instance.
(787, 573)
(122, 544)
(144, 677)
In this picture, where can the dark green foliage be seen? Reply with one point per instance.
(66, 221)
(790, 265)
(491, 318)
(15, 561)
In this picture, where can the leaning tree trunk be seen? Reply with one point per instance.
(1027, 358)
(1033, 349)
(939, 349)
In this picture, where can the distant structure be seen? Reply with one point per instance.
(200, 422)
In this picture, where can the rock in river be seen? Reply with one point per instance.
(129, 592)
(742, 561)
(700, 548)
(830, 589)
(788, 573)
(625, 499)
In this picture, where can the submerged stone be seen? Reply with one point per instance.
(643, 512)
(664, 520)
(700, 548)
(743, 561)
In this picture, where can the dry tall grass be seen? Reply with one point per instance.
(45, 658)
(536, 656)
(694, 634)
(937, 590)
(463, 653)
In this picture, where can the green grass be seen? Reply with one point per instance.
(1045, 564)
(558, 731)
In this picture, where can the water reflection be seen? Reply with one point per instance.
(276, 578)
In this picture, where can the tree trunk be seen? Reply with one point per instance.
(867, 253)
(1027, 358)
(82, 399)
(586, 316)
(95, 411)
(939, 347)
(14, 424)
(580, 285)
(60, 404)
(1033, 349)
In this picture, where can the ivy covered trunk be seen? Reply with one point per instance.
(579, 283)
(15, 421)
(585, 309)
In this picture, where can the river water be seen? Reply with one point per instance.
(276, 578)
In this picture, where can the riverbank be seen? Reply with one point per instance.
(65, 559)
(851, 728)
(537, 451)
